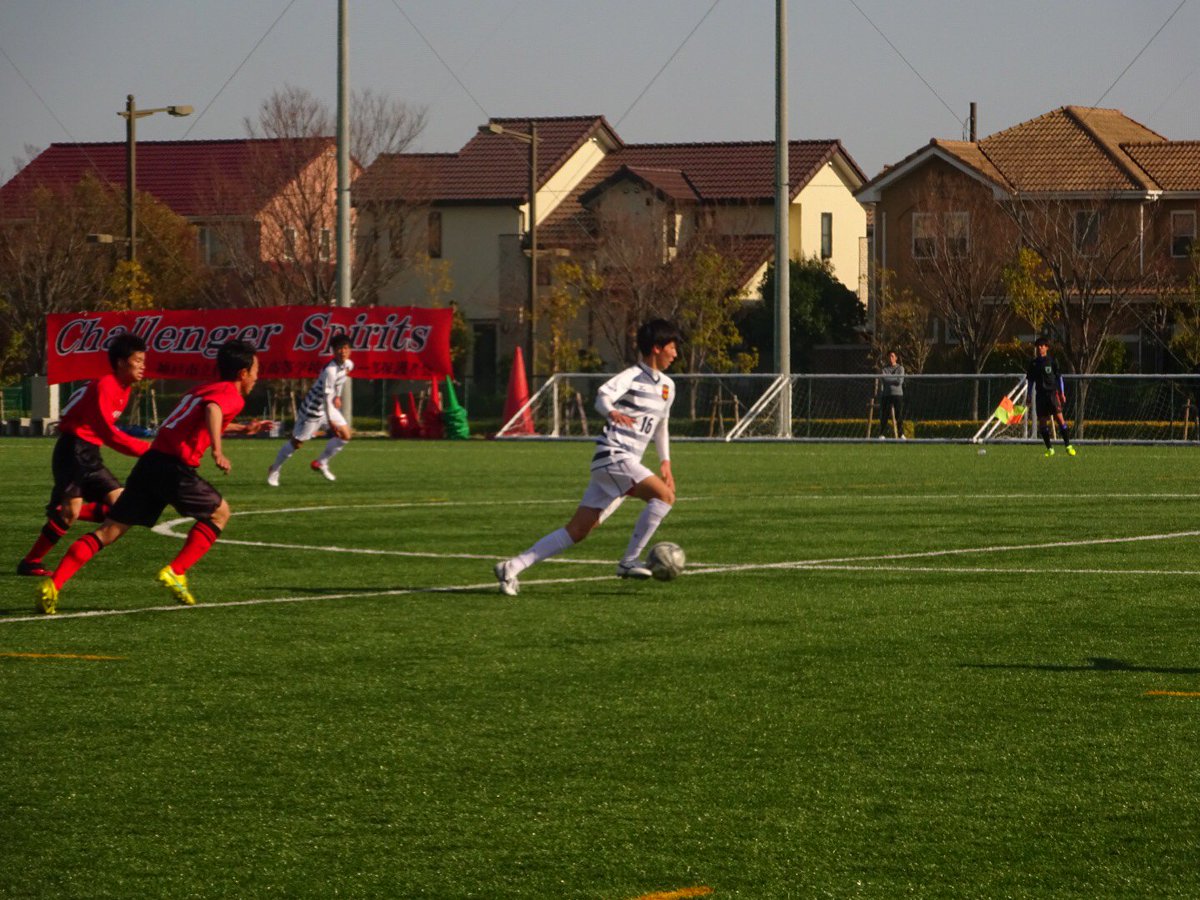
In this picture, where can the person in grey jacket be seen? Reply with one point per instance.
(891, 396)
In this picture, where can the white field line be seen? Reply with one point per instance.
(859, 564)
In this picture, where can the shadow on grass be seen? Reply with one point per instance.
(1094, 664)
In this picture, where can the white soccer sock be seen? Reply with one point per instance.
(332, 447)
(656, 510)
(551, 545)
(284, 454)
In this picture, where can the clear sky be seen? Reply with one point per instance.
(66, 65)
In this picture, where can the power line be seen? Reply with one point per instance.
(913, 68)
(670, 60)
(257, 44)
(1181, 5)
(445, 64)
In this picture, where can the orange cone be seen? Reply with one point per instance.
(398, 422)
(518, 396)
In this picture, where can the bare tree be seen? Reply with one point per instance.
(281, 248)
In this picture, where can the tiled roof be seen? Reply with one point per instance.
(193, 178)
(1073, 148)
(971, 155)
(490, 167)
(716, 173)
(1172, 165)
(671, 184)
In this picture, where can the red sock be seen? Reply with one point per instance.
(77, 554)
(94, 512)
(202, 536)
(52, 531)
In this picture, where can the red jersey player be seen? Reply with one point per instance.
(79, 473)
(167, 474)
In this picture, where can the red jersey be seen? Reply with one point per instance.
(91, 411)
(184, 433)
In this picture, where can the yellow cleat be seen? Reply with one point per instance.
(177, 585)
(47, 597)
(1070, 451)
(1049, 453)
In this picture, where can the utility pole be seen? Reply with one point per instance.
(343, 187)
(783, 201)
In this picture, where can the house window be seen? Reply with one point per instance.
(672, 226)
(1087, 232)
(326, 244)
(289, 243)
(826, 235)
(435, 235)
(396, 239)
(958, 233)
(924, 236)
(1183, 232)
(213, 250)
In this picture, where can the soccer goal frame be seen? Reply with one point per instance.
(942, 408)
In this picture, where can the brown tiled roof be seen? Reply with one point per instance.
(971, 155)
(1172, 165)
(181, 174)
(490, 168)
(1072, 148)
(717, 173)
(672, 184)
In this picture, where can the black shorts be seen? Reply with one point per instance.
(158, 479)
(1048, 403)
(79, 472)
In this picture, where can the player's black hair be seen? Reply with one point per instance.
(1042, 342)
(123, 346)
(232, 357)
(338, 341)
(656, 333)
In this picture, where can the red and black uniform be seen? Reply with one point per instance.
(167, 473)
(87, 423)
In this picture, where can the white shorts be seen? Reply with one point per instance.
(306, 429)
(613, 482)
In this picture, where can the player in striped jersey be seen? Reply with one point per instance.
(636, 404)
(320, 408)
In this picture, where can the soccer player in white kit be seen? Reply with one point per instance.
(320, 408)
(636, 404)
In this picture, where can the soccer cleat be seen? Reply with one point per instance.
(508, 583)
(1049, 453)
(1070, 450)
(633, 570)
(36, 569)
(273, 476)
(177, 585)
(47, 597)
(321, 466)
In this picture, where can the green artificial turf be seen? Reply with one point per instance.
(890, 720)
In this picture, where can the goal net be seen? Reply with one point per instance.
(1102, 408)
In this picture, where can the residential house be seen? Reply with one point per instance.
(253, 201)
(1107, 203)
(478, 207)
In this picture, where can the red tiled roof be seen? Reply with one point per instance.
(490, 168)
(671, 184)
(1172, 165)
(183, 175)
(971, 155)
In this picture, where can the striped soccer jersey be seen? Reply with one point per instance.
(646, 396)
(318, 401)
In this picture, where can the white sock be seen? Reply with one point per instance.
(656, 510)
(284, 454)
(332, 448)
(551, 545)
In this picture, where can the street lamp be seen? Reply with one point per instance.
(531, 138)
(131, 115)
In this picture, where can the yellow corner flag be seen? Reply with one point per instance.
(1008, 413)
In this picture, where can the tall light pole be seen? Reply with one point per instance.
(531, 138)
(783, 201)
(131, 115)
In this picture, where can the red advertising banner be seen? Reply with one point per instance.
(292, 341)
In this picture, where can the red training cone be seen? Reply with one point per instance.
(518, 396)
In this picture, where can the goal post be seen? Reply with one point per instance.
(843, 407)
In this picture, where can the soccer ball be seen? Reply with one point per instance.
(665, 560)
